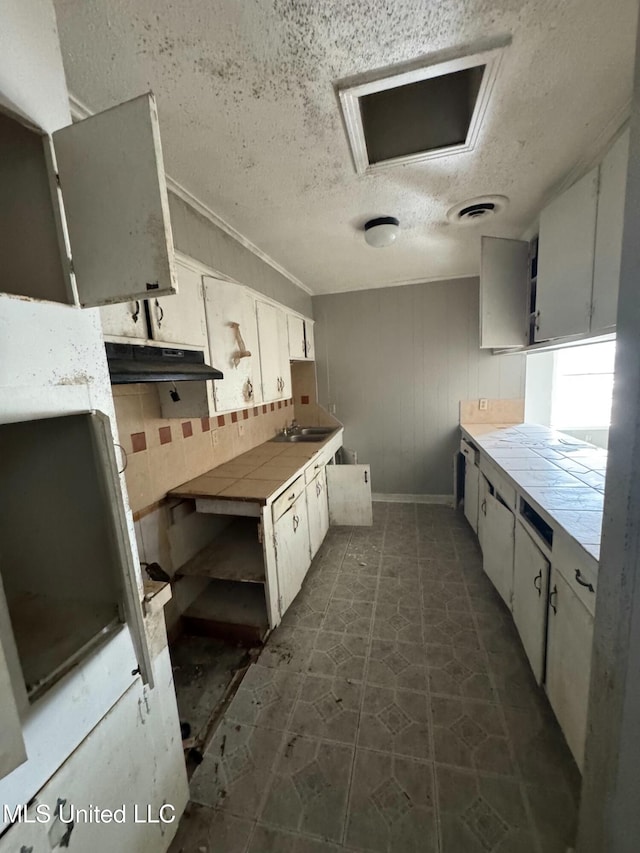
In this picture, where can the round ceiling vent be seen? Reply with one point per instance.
(477, 209)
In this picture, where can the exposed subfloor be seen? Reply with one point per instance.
(393, 710)
(203, 669)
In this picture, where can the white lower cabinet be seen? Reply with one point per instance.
(530, 592)
(569, 641)
(471, 491)
(497, 525)
(293, 555)
(318, 509)
(132, 759)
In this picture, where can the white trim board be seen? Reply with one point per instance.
(412, 499)
(80, 111)
(351, 90)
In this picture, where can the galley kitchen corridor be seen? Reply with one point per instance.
(392, 710)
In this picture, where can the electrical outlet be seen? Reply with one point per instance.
(482, 405)
(332, 408)
(240, 429)
(215, 437)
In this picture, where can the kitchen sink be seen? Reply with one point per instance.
(296, 436)
(305, 434)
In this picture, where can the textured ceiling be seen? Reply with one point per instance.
(251, 126)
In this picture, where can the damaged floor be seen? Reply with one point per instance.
(392, 710)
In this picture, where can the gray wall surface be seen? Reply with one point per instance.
(396, 362)
(198, 237)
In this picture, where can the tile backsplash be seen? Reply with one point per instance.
(497, 412)
(161, 453)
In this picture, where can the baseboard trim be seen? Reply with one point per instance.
(413, 499)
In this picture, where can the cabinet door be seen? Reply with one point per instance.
(483, 491)
(471, 488)
(283, 356)
(498, 545)
(293, 555)
(349, 491)
(119, 531)
(297, 344)
(270, 357)
(309, 339)
(569, 641)
(504, 290)
(318, 508)
(116, 206)
(530, 596)
(233, 344)
(125, 320)
(565, 261)
(180, 319)
(606, 264)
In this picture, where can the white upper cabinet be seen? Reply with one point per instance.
(233, 344)
(297, 343)
(300, 331)
(115, 202)
(504, 290)
(274, 351)
(125, 320)
(309, 339)
(606, 266)
(565, 261)
(180, 319)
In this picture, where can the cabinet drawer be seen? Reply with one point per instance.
(498, 481)
(469, 451)
(282, 504)
(578, 569)
(312, 470)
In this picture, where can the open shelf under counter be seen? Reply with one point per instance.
(225, 610)
(235, 555)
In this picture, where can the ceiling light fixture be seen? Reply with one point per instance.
(382, 231)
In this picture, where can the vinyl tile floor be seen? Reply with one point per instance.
(393, 710)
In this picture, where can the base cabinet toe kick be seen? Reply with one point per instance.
(546, 578)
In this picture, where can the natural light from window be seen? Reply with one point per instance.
(582, 386)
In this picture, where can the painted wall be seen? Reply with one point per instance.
(395, 362)
(197, 236)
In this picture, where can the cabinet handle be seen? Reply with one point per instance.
(551, 595)
(136, 313)
(483, 506)
(249, 388)
(537, 321)
(159, 313)
(366, 476)
(296, 522)
(292, 497)
(537, 578)
(318, 489)
(583, 582)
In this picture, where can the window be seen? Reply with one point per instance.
(582, 387)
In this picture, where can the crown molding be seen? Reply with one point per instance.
(80, 111)
(400, 283)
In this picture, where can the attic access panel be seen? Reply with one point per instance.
(420, 111)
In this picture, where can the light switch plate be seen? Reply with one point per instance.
(214, 436)
(240, 429)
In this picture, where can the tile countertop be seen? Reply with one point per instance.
(258, 475)
(561, 476)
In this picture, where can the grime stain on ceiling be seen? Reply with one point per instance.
(251, 124)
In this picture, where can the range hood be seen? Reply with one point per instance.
(130, 363)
